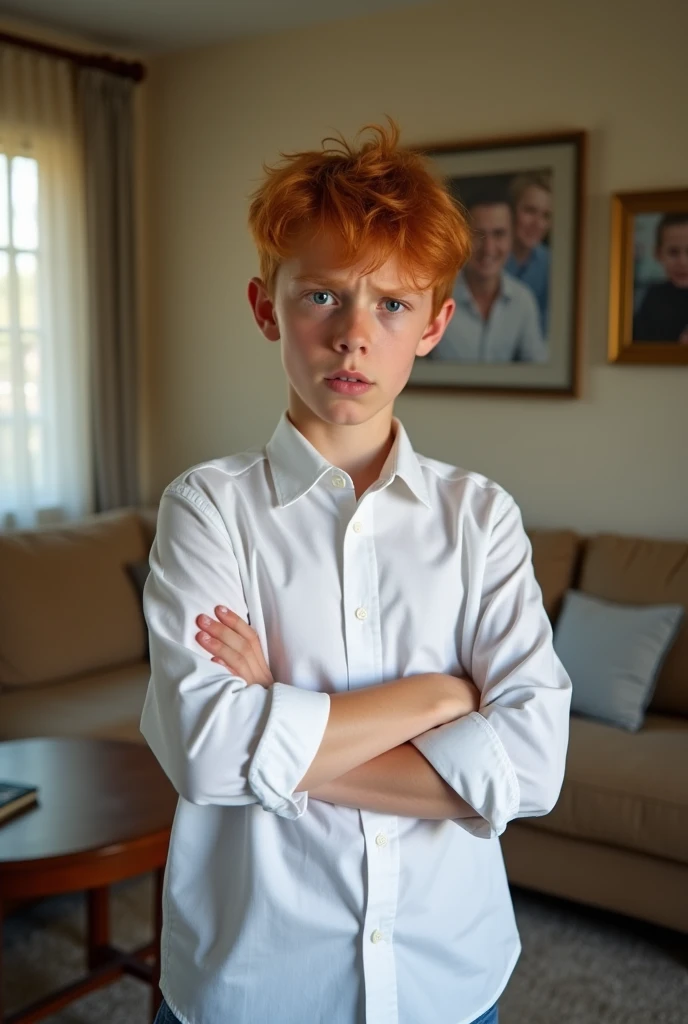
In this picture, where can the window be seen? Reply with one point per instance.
(46, 448)
(24, 412)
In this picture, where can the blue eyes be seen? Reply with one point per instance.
(320, 299)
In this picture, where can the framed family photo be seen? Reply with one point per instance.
(516, 325)
(648, 301)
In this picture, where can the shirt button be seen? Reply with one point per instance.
(361, 614)
(377, 936)
(338, 481)
(358, 527)
(381, 839)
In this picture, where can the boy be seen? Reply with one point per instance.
(663, 313)
(377, 694)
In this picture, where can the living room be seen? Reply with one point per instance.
(157, 364)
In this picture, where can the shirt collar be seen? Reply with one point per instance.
(297, 465)
(463, 294)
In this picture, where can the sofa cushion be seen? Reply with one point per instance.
(613, 654)
(139, 572)
(640, 571)
(555, 559)
(626, 789)
(106, 705)
(68, 606)
(148, 516)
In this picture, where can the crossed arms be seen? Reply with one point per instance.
(415, 746)
(364, 759)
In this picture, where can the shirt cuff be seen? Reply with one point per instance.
(292, 736)
(470, 756)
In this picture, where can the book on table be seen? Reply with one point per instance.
(15, 797)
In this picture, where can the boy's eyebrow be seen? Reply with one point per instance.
(332, 283)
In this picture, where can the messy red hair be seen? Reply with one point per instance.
(378, 200)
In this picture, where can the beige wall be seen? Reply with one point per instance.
(615, 460)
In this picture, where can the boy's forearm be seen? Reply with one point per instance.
(366, 723)
(400, 781)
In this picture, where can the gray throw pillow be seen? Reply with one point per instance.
(613, 654)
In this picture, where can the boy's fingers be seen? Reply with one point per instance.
(229, 634)
(236, 623)
(227, 644)
(236, 643)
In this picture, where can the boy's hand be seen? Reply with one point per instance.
(235, 645)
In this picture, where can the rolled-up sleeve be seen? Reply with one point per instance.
(507, 759)
(219, 739)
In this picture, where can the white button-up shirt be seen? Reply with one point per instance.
(283, 910)
(510, 333)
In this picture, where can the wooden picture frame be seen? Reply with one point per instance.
(646, 228)
(487, 172)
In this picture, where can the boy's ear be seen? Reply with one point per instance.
(436, 328)
(263, 309)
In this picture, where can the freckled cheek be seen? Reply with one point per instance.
(400, 363)
(301, 333)
(301, 345)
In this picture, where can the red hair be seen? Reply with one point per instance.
(378, 200)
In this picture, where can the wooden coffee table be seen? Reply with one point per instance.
(105, 813)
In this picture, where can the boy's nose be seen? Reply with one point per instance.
(356, 332)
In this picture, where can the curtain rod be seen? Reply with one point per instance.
(126, 69)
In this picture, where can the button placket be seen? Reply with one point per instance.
(381, 909)
(360, 589)
(379, 967)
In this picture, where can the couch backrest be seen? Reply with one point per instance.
(636, 570)
(556, 554)
(68, 604)
(148, 517)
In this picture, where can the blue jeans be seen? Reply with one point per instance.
(165, 1016)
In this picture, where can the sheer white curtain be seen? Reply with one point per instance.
(46, 469)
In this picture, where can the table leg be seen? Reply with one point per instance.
(157, 917)
(98, 926)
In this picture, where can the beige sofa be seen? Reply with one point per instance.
(73, 645)
(73, 662)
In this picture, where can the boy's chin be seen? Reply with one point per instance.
(345, 412)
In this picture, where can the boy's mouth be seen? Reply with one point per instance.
(352, 376)
(346, 386)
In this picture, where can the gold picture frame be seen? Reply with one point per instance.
(643, 298)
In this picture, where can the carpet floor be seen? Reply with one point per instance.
(578, 966)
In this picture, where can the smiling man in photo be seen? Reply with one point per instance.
(496, 318)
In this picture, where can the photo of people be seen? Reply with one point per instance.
(502, 294)
(660, 277)
(516, 321)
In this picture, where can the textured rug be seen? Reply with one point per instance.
(578, 966)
